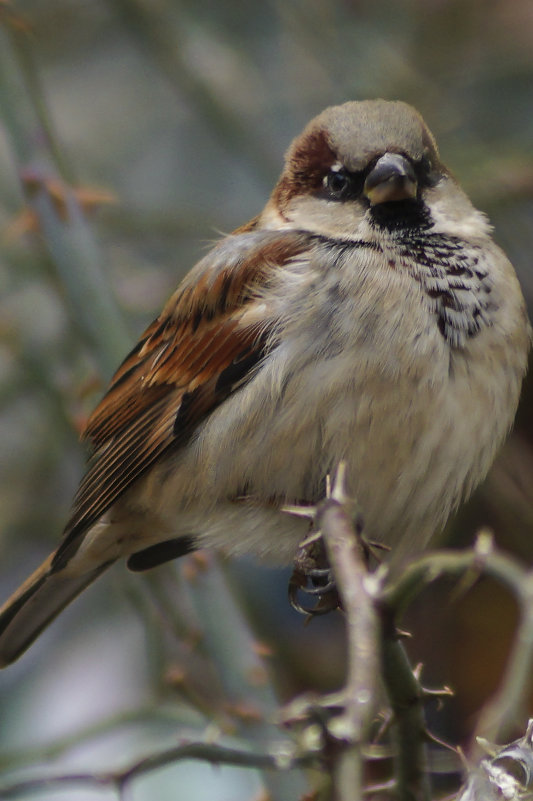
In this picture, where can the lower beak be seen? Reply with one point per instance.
(392, 178)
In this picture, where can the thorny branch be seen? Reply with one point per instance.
(361, 597)
(406, 697)
(372, 606)
(506, 708)
(371, 636)
(356, 590)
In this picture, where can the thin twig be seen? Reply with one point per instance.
(356, 590)
(171, 715)
(508, 704)
(406, 699)
(24, 52)
(480, 560)
(282, 760)
(243, 673)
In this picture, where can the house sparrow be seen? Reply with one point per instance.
(365, 315)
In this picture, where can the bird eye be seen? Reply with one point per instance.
(425, 162)
(429, 174)
(337, 183)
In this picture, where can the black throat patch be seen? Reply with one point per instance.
(454, 279)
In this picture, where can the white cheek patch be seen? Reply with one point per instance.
(470, 227)
(453, 214)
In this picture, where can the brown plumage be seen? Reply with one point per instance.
(204, 342)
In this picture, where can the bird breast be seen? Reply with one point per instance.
(363, 372)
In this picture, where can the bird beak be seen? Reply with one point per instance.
(392, 178)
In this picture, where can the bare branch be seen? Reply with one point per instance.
(283, 759)
(506, 708)
(356, 589)
(508, 704)
(406, 698)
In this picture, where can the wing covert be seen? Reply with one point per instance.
(205, 344)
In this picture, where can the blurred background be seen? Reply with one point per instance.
(170, 119)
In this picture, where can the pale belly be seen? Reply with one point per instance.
(414, 448)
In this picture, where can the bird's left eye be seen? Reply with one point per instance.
(341, 184)
(337, 183)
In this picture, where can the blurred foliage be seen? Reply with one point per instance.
(168, 119)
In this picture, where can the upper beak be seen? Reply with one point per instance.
(392, 178)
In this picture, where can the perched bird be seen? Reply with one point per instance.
(364, 315)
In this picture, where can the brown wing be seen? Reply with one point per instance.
(204, 345)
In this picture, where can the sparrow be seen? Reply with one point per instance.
(365, 316)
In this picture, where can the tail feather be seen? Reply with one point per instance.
(35, 604)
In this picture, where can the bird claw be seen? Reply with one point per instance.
(328, 599)
(312, 576)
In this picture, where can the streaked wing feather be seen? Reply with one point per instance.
(203, 346)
